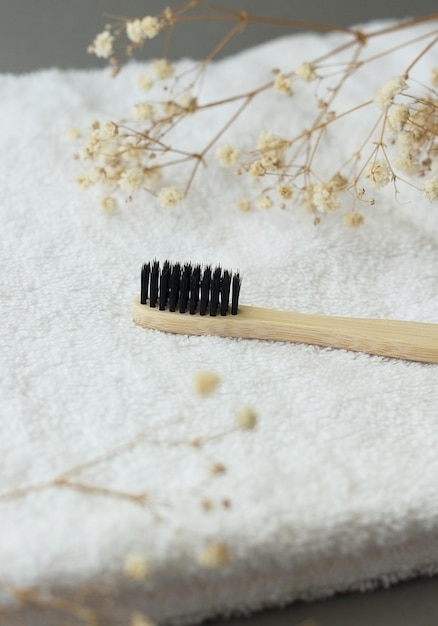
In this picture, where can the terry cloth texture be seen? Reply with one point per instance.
(106, 449)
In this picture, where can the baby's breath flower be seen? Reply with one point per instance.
(215, 554)
(103, 44)
(272, 149)
(324, 198)
(306, 72)
(150, 27)
(226, 155)
(205, 383)
(162, 68)
(389, 90)
(244, 204)
(131, 179)
(144, 82)
(284, 191)
(97, 175)
(379, 174)
(353, 219)
(130, 153)
(134, 31)
(338, 182)
(246, 418)
(264, 201)
(108, 204)
(217, 468)
(73, 133)
(407, 159)
(169, 197)
(136, 567)
(93, 145)
(109, 130)
(187, 102)
(398, 115)
(282, 83)
(83, 180)
(256, 169)
(142, 111)
(170, 108)
(430, 189)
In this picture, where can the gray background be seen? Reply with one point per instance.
(45, 33)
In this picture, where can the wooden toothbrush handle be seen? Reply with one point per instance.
(415, 341)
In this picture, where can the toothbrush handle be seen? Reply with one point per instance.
(415, 341)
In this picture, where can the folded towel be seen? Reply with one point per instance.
(121, 487)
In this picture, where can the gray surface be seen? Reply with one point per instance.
(45, 33)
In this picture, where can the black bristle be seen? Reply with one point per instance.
(189, 288)
(215, 291)
(235, 294)
(184, 288)
(145, 271)
(155, 272)
(205, 290)
(174, 286)
(164, 285)
(225, 292)
(194, 288)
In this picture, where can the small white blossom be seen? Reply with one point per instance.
(226, 155)
(142, 111)
(398, 115)
(324, 198)
(272, 149)
(187, 102)
(150, 27)
(73, 133)
(282, 83)
(97, 175)
(108, 204)
(144, 82)
(246, 418)
(284, 191)
(353, 219)
(306, 72)
(389, 90)
(162, 68)
(103, 44)
(134, 31)
(109, 130)
(430, 189)
(264, 201)
(256, 169)
(379, 174)
(244, 204)
(131, 179)
(83, 180)
(169, 197)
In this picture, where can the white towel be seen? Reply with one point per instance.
(336, 487)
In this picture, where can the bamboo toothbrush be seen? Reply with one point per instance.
(202, 295)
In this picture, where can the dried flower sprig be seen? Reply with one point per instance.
(399, 121)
